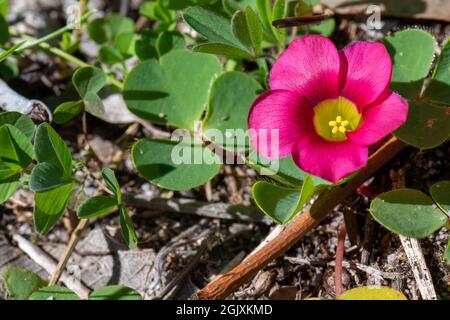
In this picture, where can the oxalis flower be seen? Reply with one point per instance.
(328, 106)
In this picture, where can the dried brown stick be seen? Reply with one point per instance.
(298, 227)
(43, 259)
(74, 238)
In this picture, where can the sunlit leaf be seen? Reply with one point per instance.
(173, 165)
(128, 231)
(111, 182)
(408, 212)
(110, 55)
(67, 111)
(20, 121)
(372, 293)
(438, 89)
(50, 147)
(115, 293)
(412, 52)
(247, 29)
(50, 206)
(232, 95)
(440, 192)
(223, 49)
(427, 126)
(8, 186)
(16, 151)
(213, 27)
(281, 203)
(47, 176)
(168, 41)
(96, 207)
(53, 293)
(21, 283)
(283, 170)
(106, 29)
(174, 91)
(145, 46)
(88, 81)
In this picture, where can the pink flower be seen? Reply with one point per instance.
(328, 106)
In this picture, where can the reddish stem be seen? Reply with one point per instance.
(339, 258)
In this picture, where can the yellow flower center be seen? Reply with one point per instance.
(334, 117)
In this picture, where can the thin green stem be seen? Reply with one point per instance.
(62, 54)
(43, 43)
(53, 35)
(68, 57)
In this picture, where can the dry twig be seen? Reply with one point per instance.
(74, 238)
(419, 268)
(413, 251)
(45, 261)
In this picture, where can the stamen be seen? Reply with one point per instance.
(339, 125)
(334, 118)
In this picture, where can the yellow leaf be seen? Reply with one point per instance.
(372, 293)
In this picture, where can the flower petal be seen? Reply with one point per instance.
(310, 65)
(366, 71)
(380, 120)
(331, 161)
(284, 111)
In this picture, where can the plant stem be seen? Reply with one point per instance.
(53, 35)
(58, 52)
(74, 238)
(68, 57)
(41, 43)
(339, 258)
(302, 223)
